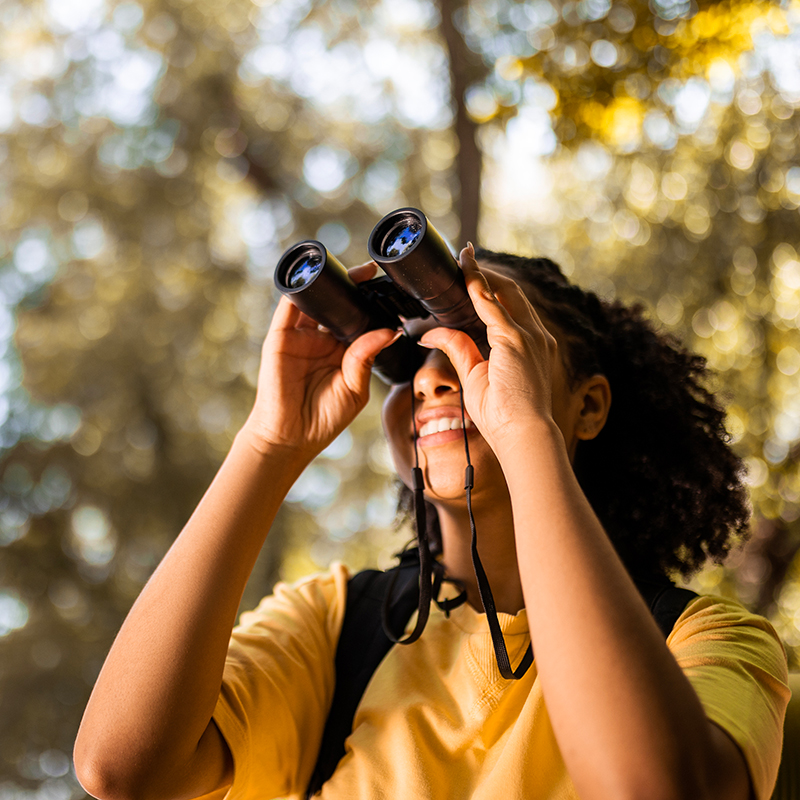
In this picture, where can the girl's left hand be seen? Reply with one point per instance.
(515, 385)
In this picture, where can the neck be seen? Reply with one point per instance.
(496, 547)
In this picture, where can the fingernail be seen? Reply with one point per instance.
(394, 338)
(471, 248)
(424, 344)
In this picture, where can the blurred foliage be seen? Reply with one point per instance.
(157, 156)
(608, 70)
(701, 227)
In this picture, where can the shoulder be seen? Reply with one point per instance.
(316, 599)
(299, 621)
(278, 684)
(716, 632)
(295, 629)
(737, 665)
(710, 619)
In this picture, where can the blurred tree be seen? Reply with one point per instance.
(157, 156)
(670, 129)
(152, 174)
(466, 70)
(609, 68)
(702, 228)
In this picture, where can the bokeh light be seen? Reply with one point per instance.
(157, 158)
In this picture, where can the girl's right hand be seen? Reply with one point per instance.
(311, 386)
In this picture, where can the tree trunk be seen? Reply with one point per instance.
(465, 68)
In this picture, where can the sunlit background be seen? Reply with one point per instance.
(156, 157)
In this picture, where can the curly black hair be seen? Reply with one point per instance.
(661, 475)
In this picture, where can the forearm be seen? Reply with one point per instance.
(627, 720)
(148, 718)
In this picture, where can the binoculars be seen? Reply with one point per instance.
(422, 279)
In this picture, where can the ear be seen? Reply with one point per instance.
(595, 397)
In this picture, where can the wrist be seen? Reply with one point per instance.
(524, 436)
(537, 464)
(289, 459)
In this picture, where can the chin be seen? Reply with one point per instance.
(490, 483)
(443, 467)
(445, 495)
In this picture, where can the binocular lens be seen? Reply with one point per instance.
(304, 270)
(400, 238)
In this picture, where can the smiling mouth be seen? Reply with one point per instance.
(443, 424)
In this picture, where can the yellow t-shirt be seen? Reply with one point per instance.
(438, 721)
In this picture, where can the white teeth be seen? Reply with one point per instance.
(442, 424)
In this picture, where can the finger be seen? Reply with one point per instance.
(289, 317)
(459, 348)
(360, 356)
(485, 301)
(487, 281)
(510, 295)
(286, 315)
(497, 293)
(304, 322)
(363, 272)
(471, 269)
(506, 289)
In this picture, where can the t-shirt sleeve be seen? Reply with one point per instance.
(278, 684)
(737, 665)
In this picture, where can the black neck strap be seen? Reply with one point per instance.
(426, 591)
(485, 591)
(425, 558)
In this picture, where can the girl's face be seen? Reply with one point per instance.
(437, 408)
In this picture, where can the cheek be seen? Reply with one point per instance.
(566, 407)
(396, 419)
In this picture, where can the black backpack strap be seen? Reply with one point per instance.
(665, 601)
(362, 646)
(669, 605)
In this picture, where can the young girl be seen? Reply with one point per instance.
(597, 455)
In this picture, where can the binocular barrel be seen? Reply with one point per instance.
(318, 284)
(417, 259)
(422, 278)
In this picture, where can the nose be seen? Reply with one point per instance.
(436, 377)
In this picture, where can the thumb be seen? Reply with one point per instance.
(360, 356)
(459, 348)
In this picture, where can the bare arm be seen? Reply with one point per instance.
(627, 719)
(628, 722)
(150, 712)
(147, 731)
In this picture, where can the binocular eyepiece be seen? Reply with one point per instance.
(422, 279)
